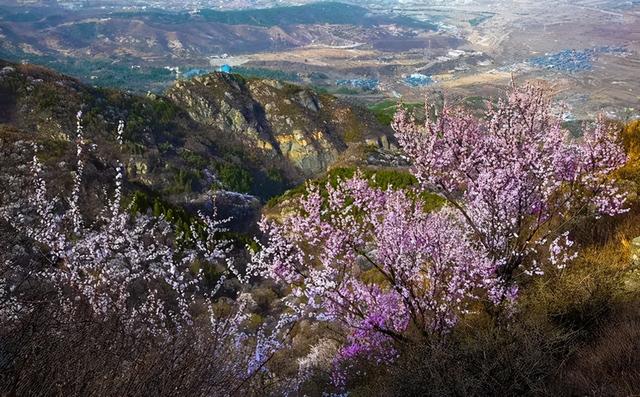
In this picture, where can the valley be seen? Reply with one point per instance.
(369, 52)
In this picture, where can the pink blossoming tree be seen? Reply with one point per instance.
(518, 179)
(376, 262)
(385, 269)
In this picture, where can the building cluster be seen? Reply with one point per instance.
(364, 84)
(573, 60)
(418, 80)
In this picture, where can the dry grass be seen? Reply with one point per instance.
(610, 364)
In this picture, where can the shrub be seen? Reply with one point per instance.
(235, 178)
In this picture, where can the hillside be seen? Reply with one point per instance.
(217, 132)
(307, 129)
(332, 13)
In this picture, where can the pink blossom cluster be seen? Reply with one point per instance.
(376, 262)
(518, 178)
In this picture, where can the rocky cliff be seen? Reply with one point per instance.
(279, 120)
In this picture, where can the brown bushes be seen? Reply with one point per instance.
(609, 365)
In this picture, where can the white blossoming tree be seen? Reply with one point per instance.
(114, 305)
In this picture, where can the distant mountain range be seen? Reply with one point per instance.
(96, 37)
(211, 4)
(158, 32)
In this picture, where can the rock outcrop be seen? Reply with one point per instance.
(279, 120)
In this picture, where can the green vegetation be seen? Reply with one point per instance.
(145, 203)
(318, 76)
(31, 15)
(84, 32)
(140, 202)
(378, 178)
(480, 19)
(268, 184)
(101, 72)
(334, 13)
(142, 115)
(275, 175)
(353, 135)
(235, 178)
(165, 110)
(574, 126)
(183, 182)
(156, 15)
(385, 110)
(193, 159)
(263, 73)
(321, 89)
(165, 147)
(346, 91)
(475, 103)
(309, 14)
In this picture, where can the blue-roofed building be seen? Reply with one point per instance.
(418, 80)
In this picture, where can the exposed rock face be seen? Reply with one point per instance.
(310, 152)
(242, 209)
(279, 120)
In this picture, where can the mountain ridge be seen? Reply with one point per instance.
(213, 133)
